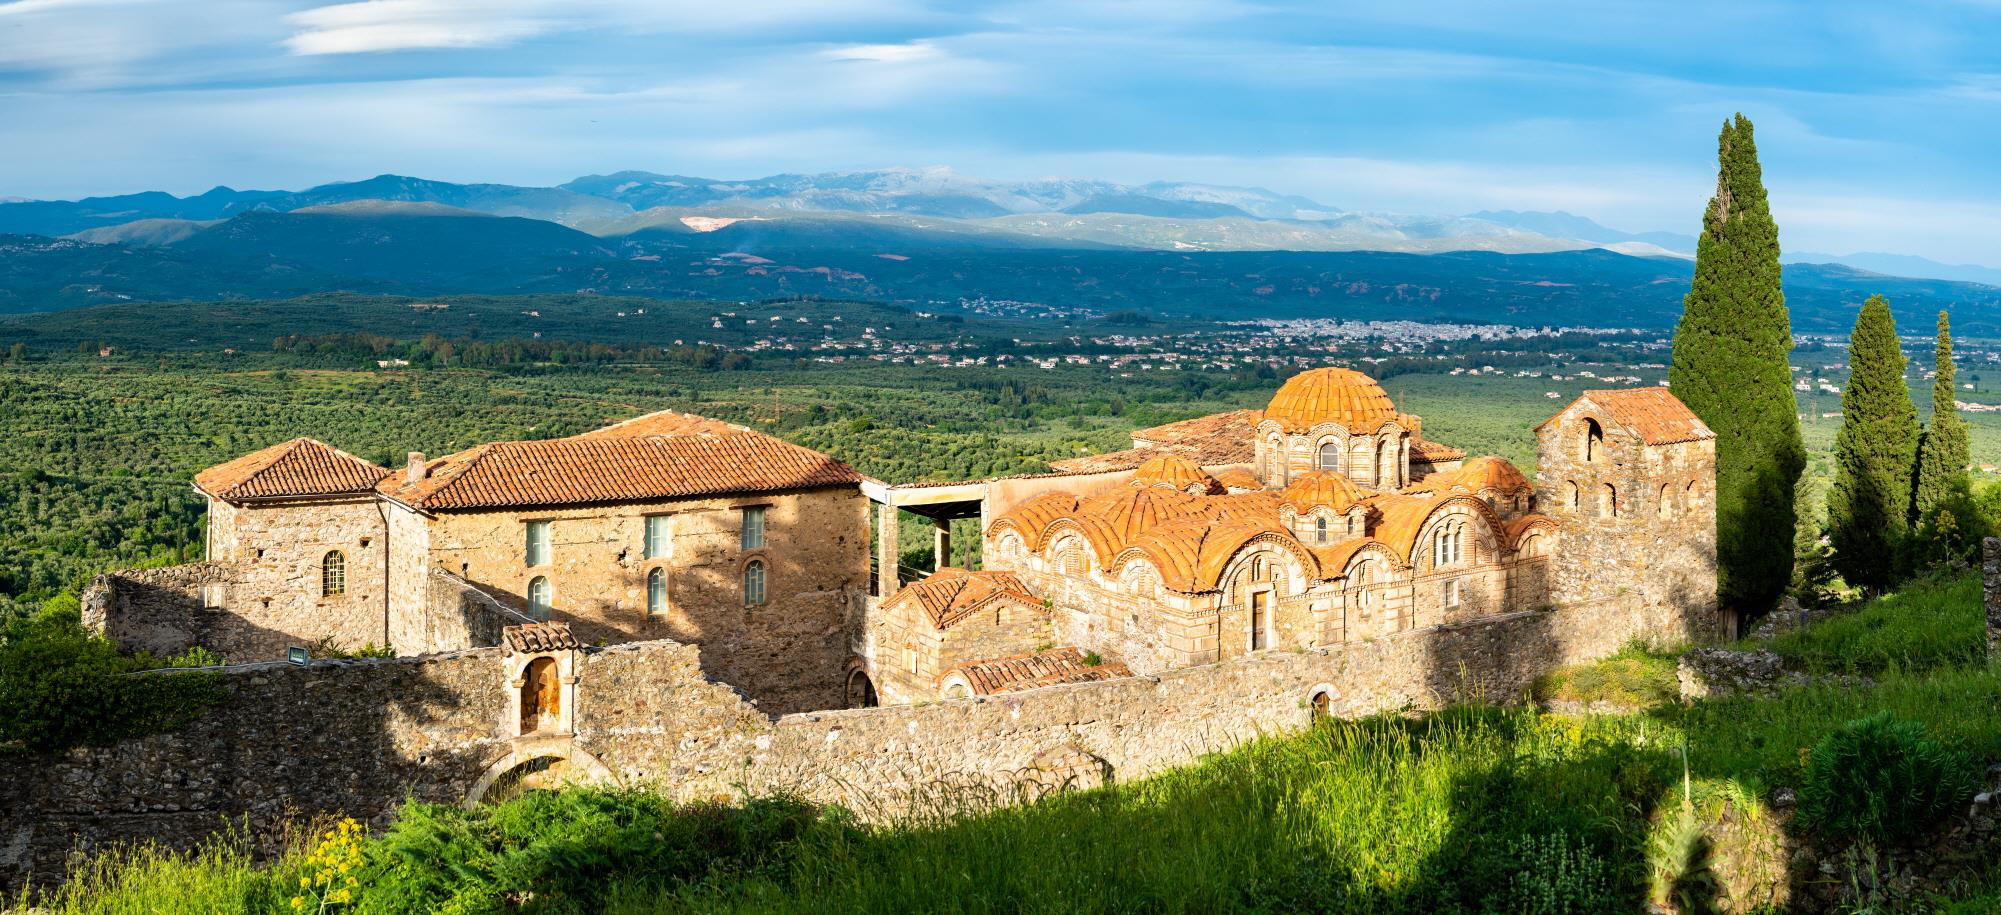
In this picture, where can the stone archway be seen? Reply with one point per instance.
(538, 764)
(861, 690)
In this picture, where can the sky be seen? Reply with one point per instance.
(1878, 123)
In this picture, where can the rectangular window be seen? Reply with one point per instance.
(1451, 593)
(658, 535)
(538, 543)
(753, 527)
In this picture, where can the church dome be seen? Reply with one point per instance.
(1174, 472)
(1319, 488)
(1330, 395)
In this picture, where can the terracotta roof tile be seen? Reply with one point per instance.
(1654, 414)
(1424, 450)
(595, 469)
(1029, 671)
(1174, 472)
(1320, 487)
(1331, 395)
(951, 595)
(1239, 478)
(532, 638)
(665, 422)
(1208, 441)
(1191, 553)
(1476, 476)
(300, 467)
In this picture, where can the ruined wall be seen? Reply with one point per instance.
(280, 549)
(454, 615)
(789, 653)
(356, 736)
(1991, 577)
(167, 611)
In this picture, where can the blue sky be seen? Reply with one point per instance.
(1879, 123)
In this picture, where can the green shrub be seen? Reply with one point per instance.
(1882, 778)
(63, 686)
(1559, 874)
(1636, 677)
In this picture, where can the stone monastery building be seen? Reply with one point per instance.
(1326, 518)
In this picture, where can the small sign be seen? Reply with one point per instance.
(298, 655)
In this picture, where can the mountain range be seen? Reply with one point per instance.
(911, 235)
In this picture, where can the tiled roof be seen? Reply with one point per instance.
(300, 467)
(1334, 559)
(1476, 476)
(1403, 517)
(950, 594)
(1031, 519)
(1208, 441)
(1320, 487)
(596, 468)
(1239, 478)
(1191, 553)
(1174, 472)
(1236, 424)
(1028, 671)
(1654, 414)
(1331, 395)
(1434, 452)
(532, 638)
(1520, 526)
(665, 422)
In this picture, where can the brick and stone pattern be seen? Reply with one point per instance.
(1637, 521)
(790, 653)
(357, 737)
(280, 549)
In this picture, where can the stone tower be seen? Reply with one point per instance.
(1630, 477)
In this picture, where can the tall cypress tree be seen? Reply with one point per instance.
(1943, 452)
(1731, 366)
(1875, 453)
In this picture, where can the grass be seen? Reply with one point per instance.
(1933, 622)
(1467, 810)
(1637, 677)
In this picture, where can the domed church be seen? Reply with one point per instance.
(1327, 518)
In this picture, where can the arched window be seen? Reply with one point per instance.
(1330, 456)
(1359, 581)
(1572, 495)
(1594, 440)
(753, 583)
(1608, 502)
(333, 574)
(1449, 543)
(1257, 568)
(656, 591)
(1273, 449)
(539, 597)
(1320, 530)
(1386, 474)
(1667, 501)
(1692, 495)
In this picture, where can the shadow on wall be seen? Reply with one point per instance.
(166, 611)
(336, 737)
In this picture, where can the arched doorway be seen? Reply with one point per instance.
(539, 764)
(861, 690)
(541, 697)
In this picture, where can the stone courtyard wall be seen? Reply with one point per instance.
(359, 736)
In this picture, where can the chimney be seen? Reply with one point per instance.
(415, 470)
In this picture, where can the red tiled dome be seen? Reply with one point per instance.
(1320, 487)
(1333, 395)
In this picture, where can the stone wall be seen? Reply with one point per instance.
(455, 614)
(790, 652)
(1991, 576)
(358, 736)
(163, 611)
(281, 547)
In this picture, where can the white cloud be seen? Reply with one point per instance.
(885, 53)
(400, 25)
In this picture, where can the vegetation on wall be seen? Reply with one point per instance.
(1731, 367)
(62, 686)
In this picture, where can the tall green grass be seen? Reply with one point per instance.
(1937, 621)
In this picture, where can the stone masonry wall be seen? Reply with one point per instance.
(164, 611)
(357, 736)
(280, 549)
(1991, 576)
(790, 652)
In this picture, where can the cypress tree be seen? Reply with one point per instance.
(1731, 366)
(1875, 454)
(1943, 452)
